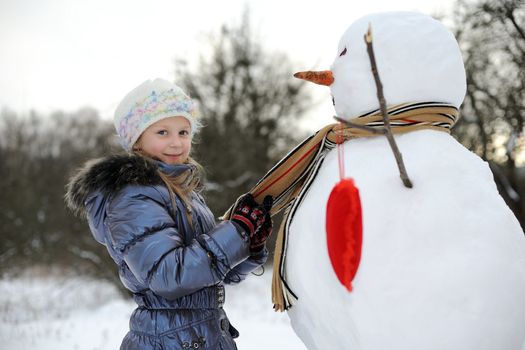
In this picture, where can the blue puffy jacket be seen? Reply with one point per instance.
(174, 270)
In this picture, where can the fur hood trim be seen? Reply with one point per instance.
(108, 175)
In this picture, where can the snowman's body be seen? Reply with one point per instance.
(443, 263)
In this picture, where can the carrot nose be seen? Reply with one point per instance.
(324, 77)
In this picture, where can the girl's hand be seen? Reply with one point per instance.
(255, 219)
(248, 214)
(258, 240)
(260, 236)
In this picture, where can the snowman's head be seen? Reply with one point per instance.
(418, 60)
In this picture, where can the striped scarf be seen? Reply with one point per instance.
(289, 180)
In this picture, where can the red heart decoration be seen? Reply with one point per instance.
(344, 231)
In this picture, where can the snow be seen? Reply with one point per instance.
(65, 312)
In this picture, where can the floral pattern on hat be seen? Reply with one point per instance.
(155, 106)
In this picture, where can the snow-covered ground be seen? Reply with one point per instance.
(74, 313)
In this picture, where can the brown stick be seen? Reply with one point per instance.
(382, 103)
(362, 127)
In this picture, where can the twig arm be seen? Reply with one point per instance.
(382, 104)
(362, 127)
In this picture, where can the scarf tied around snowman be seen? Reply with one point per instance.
(289, 180)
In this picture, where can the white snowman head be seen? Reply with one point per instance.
(418, 60)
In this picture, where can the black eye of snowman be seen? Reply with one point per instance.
(343, 52)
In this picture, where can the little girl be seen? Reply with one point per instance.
(170, 253)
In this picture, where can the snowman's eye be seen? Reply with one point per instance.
(343, 52)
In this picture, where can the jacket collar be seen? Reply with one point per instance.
(174, 170)
(112, 173)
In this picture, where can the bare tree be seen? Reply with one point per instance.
(250, 105)
(492, 38)
(37, 156)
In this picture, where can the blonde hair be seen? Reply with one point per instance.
(185, 183)
(181, 185)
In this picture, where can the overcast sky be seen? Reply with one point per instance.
(66, 54)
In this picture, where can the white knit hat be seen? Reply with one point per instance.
(148, 103)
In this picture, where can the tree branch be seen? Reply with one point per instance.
(388, 131)
(479, 121)
(510, 15)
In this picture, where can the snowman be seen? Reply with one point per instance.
(442, 264)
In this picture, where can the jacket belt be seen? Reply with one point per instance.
(206, 298)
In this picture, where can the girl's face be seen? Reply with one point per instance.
(168, 140)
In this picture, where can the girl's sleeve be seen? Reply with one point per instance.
(144, 232)
(239, 272)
